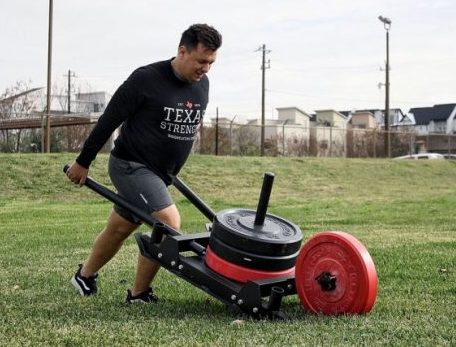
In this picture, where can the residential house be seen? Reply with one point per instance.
(323, 132)
(223, 122)
(363, 120)
(328, 133)
(396, 119)
(91, 102)
(438, 119)
(406, 123)
(435, 127)
(291, 122)
(272, 128)
(293, 115)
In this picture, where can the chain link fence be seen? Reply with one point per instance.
(297, 141)
(244, 140)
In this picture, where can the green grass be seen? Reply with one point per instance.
(403, 211)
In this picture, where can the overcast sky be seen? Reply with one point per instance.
(325, 54)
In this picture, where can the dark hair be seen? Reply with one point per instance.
(201, 33)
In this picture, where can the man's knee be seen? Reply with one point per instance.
(119, 227)
(170, 216)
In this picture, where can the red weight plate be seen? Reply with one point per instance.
(240, 273)
(335, 275)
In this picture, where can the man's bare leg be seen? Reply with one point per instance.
(147, 269)
(107, 243)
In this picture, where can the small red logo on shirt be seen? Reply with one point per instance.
(189, 104)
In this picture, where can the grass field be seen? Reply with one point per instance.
(403, 211)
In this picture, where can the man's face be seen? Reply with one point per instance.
(195, 63)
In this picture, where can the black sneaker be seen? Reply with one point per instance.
(145, 297)
(84, 285)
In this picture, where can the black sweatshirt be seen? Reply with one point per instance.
(159, 114)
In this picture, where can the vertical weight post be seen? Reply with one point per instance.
(262, 208)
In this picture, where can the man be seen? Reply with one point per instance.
(160, 107)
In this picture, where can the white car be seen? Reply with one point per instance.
(429, 156)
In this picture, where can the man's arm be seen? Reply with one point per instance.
(124, 103)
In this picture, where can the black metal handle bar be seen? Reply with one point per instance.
(260, 216)
(145, 217)
(193, 198)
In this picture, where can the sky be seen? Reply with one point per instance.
(326, 54)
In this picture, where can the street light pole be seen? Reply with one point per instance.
(263, 90)
(48, 98)
(387, 24)
(263, 79)
(216, 131)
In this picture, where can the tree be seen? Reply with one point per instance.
(247, 141)
(20, 101)
(17, 101)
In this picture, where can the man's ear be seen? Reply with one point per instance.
(181, 51)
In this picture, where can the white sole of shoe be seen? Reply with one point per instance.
(76, 285)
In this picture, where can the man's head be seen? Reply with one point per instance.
(201, 33)
(197, 51)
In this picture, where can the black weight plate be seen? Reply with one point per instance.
(251, 260)
(276, 237)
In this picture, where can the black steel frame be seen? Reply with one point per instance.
(183, 255)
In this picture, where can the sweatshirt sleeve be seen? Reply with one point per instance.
(123, 105)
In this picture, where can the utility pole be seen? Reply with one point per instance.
(263, 89)
(70, 74)
(48, 97)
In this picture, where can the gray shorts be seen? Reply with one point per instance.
(140, 186)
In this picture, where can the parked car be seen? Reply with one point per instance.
(450, 156)
(428, 156)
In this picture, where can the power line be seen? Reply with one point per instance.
(319, 96)
(341, 67)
